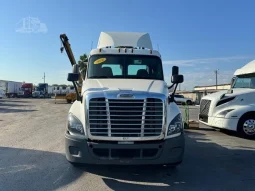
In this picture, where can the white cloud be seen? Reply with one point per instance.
(193, 62)
(204, 78)
(200, 71)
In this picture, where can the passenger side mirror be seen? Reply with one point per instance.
(175, 70)
(177, 79)
(73, 77)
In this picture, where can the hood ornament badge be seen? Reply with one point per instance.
(125, 94)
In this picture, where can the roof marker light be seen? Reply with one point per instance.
(99, 49)
(151, 51)
(119, 49)
(125, 50)
(132, 50)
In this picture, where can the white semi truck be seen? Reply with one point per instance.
(233, 109)
(123, 114)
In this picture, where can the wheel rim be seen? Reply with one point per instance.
(249, 127)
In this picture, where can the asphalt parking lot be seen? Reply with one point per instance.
(32, 157)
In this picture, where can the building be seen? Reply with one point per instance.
(213, 87)
(200, 91)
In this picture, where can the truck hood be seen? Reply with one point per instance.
(153, 86)
(236, 92)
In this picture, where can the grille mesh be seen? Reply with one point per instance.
(125, 118)
(205, 106)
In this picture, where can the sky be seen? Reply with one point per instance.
(199, 36)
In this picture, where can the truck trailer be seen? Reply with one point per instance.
(10, 88)
(123, 113)
(233, 109)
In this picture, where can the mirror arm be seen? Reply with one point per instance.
(171, 99)
(78, 97)
(175, 89)
(169, 87)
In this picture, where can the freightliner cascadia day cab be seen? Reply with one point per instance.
(233, 109)
(124, 114)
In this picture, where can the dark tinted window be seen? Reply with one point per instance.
(125, 66)
(179, 96)
(244, 82)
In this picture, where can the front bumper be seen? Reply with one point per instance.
(169, 151)
(222, 123)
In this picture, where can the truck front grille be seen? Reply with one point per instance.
(125, 118)
(205, 106)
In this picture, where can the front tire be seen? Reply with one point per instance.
(246, 126)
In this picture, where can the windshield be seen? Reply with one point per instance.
(244, 82)
(23, 89)
(125, 66)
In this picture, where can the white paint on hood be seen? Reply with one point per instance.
(152, 86)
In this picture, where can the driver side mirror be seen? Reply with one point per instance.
(73, 77)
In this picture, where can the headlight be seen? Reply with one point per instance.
(175, 126)
(74, 125)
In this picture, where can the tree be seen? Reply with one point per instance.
(83, 64)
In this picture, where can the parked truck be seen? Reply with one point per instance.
(233, 109)
(123, 114)
(41, 91)
(26, 90)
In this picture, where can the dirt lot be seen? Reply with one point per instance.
(32, 157)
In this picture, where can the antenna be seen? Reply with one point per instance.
(91, 45)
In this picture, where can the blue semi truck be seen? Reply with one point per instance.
(41, 91)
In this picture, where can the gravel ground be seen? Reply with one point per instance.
(32, 157)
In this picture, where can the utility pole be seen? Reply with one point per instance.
(91, 45)
(216, 75)
(44, 78)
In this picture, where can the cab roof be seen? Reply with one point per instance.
(247, 69)
(124, 39)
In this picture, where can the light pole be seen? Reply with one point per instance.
(43, 78)
(216, 75)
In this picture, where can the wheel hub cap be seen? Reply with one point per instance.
(249, 127)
